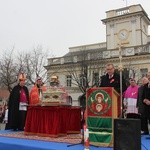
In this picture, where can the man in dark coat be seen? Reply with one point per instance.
(146, 98)
(141, 107)
(112, 79)
(17, 105)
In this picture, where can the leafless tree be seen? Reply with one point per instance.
(32, 63)
(8, 71)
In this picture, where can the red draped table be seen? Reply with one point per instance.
(52, 121)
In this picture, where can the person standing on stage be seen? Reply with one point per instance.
(2, 113)
(17, 105)
(35, 95)
(112, 79)
(130, 97)
(146, 98)
(141, 107)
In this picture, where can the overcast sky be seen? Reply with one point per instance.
(55, 25)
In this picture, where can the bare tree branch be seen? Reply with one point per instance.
(9, 71)
(33, 64)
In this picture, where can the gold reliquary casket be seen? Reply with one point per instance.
(54, 96)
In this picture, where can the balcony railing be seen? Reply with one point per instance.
(99, 55)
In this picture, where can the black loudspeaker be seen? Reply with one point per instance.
(133, 115)
(127, 134)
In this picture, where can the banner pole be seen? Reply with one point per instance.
(120, 70)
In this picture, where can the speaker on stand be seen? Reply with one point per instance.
(127, 134)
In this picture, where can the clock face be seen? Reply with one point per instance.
(123, 34)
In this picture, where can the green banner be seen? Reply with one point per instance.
(100, 131)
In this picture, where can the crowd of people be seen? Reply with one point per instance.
(136, 98)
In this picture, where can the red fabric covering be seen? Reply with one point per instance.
(53, 120)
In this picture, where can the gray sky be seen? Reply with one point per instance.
(55, 25)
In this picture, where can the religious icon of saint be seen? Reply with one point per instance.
(99, 104)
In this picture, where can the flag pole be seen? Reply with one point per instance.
(126, 2)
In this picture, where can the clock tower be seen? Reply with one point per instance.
(128, 25)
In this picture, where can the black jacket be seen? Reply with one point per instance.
(113, 82)
(13, 105)
(146, 95)
(140, 103)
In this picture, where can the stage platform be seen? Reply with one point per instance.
(7, 143)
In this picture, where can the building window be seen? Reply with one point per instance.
(69, 80)
(62, 60)
(75, 59)
(143, 72)
(83, 80)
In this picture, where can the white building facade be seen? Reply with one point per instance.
(126, 36)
